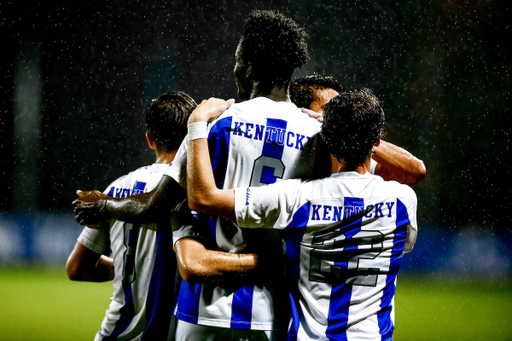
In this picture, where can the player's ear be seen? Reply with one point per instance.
(377, 143)
(151, 140)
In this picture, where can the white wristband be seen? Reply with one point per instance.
(197, 131)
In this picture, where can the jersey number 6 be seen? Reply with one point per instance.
(266, 170)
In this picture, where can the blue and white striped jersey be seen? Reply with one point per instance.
(253, 143)
(345, 237)
(145, 266)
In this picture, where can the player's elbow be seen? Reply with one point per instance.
(199, 202)
(73, 269)
(416, 174)
(192, 271)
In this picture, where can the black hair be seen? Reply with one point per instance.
(167, 117)
(353, 121)
(275, 46)
(303, 90)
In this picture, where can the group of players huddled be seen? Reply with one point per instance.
(281, 217)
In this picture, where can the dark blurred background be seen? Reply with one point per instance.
(75, 79)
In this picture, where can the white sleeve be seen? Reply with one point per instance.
(97, 240)
(412, 206)
(267, 206)
(373, 165)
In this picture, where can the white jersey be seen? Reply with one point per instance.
(345, 237)
(145, 266)
(253, 143)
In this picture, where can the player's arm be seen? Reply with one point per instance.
(198, 264)
(86, 265)
(203, 194)
(92, 207)
(410, 239)
(395, 163)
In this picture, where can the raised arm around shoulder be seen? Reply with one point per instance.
(203, 194)
(138, 209)
(395, 163)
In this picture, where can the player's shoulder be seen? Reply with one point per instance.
(144, 173)
(265, 108)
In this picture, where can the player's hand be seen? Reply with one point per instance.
(90, 196)
(90, 207)
(209, 109)
(313, 114)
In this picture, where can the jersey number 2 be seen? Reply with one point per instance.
(352, 264)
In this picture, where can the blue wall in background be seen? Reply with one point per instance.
(49, 237)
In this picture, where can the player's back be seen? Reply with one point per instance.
(350, 254)
(266, 141)
(144, 263)
(256, 142)
(345, 235)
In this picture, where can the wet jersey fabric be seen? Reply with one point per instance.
(253, 143)
(345, 237)
(145, 266)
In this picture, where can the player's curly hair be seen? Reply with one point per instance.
(274, 45)
(302, 90)
(353, 121)
(167, 117)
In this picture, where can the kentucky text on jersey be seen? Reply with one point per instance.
(336, 213)
(126, 192)
(272, 134)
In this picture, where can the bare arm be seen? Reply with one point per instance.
(199, 265)
(91, 207)
(86, 265)
(203, 194)
(395, 163)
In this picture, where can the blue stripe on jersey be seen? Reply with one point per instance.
(241, 311)
(384, 317)
(218, 143)
(212, 222)
(293, 240)
(273, 146)
(160, 301)
(337, 317)
(126, 312)
(138, 188)
(188, 302)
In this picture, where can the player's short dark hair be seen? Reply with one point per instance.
(302, 90)
(167, 117)
(274, 45)
(353, 121)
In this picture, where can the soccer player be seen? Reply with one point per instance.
(389, 161)
(143, 263)
(345, 234)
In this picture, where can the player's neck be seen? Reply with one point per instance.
(165, 157)
(338, 167)
(277, 93)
